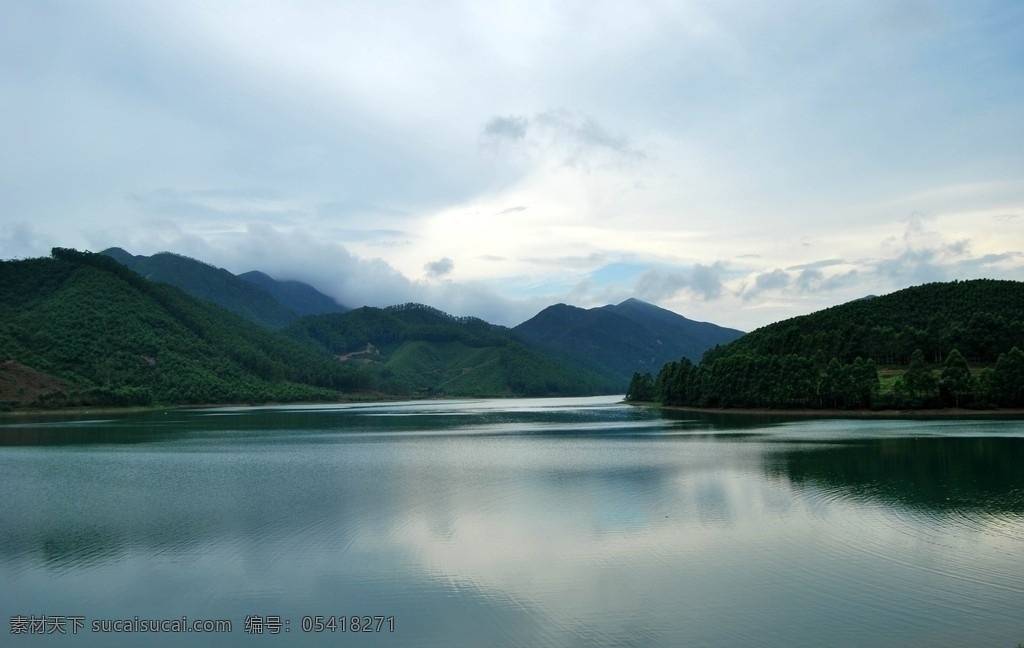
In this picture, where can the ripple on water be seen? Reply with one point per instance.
(931, 565)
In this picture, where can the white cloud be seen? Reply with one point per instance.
(751, 161)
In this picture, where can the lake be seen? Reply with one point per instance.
(548, 522)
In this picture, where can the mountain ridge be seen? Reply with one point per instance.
(406, 349)
(625, 338)
(257, 297)
(420, 350)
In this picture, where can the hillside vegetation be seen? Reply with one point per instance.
(101, 334)
(253, 295)
(82, 329)
(414, 349)
(941, 344)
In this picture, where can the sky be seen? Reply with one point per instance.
(737, 162)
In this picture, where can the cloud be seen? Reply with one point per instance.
(925, 255)
(371, 235)
(580, 134)
(913, 266)
(811, 280)
(775, 280)
(573, 136)
(349, 208)
(440, 268)
(20, 239)
(511, 128)
(824, 263)
(220, 207)
(379, 129)
(704, 281)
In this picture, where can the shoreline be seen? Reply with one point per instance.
(949, 412)
(932, 413)
(132, 409)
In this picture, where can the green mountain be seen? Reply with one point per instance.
(619, 340)
(954, 343)
(418, 350)
(300, 298)
(81, 328)
(254, 296)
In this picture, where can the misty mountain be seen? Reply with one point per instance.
(300, 298)
(255, 296)
(621, 339)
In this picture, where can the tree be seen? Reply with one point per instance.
(865, 381)
(919, 380)
(641, 388)
(836, 386)
(1009, 378)
(956, 382)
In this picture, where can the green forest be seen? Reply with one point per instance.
(110, 337)
(955, 344)
(417, 350)
(81, 329)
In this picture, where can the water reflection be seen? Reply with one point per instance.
(571, 523)
(934, 474)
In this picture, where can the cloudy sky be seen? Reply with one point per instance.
(737, 162)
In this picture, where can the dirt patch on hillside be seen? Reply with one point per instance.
(21, 385)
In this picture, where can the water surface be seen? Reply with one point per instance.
(558, 522)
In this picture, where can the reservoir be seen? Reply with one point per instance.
(545, 522)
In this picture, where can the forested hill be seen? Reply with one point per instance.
(253, 295)
(81, 329)
(937, 344)
(418, 350)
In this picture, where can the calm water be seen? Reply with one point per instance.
(576, 522)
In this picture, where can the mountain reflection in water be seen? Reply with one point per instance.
(506, 523)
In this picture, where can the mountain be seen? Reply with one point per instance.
(79, 328)
(622, 339)
(300, 298)
(982, 318)
(256, 297)
(82, 329)
(955, 343)
(414, 349)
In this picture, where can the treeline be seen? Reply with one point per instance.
(942, 345)
(795, 381)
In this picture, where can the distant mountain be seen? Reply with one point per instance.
(300, 298)
(417, 350)
(621, 339)
(256, 297)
